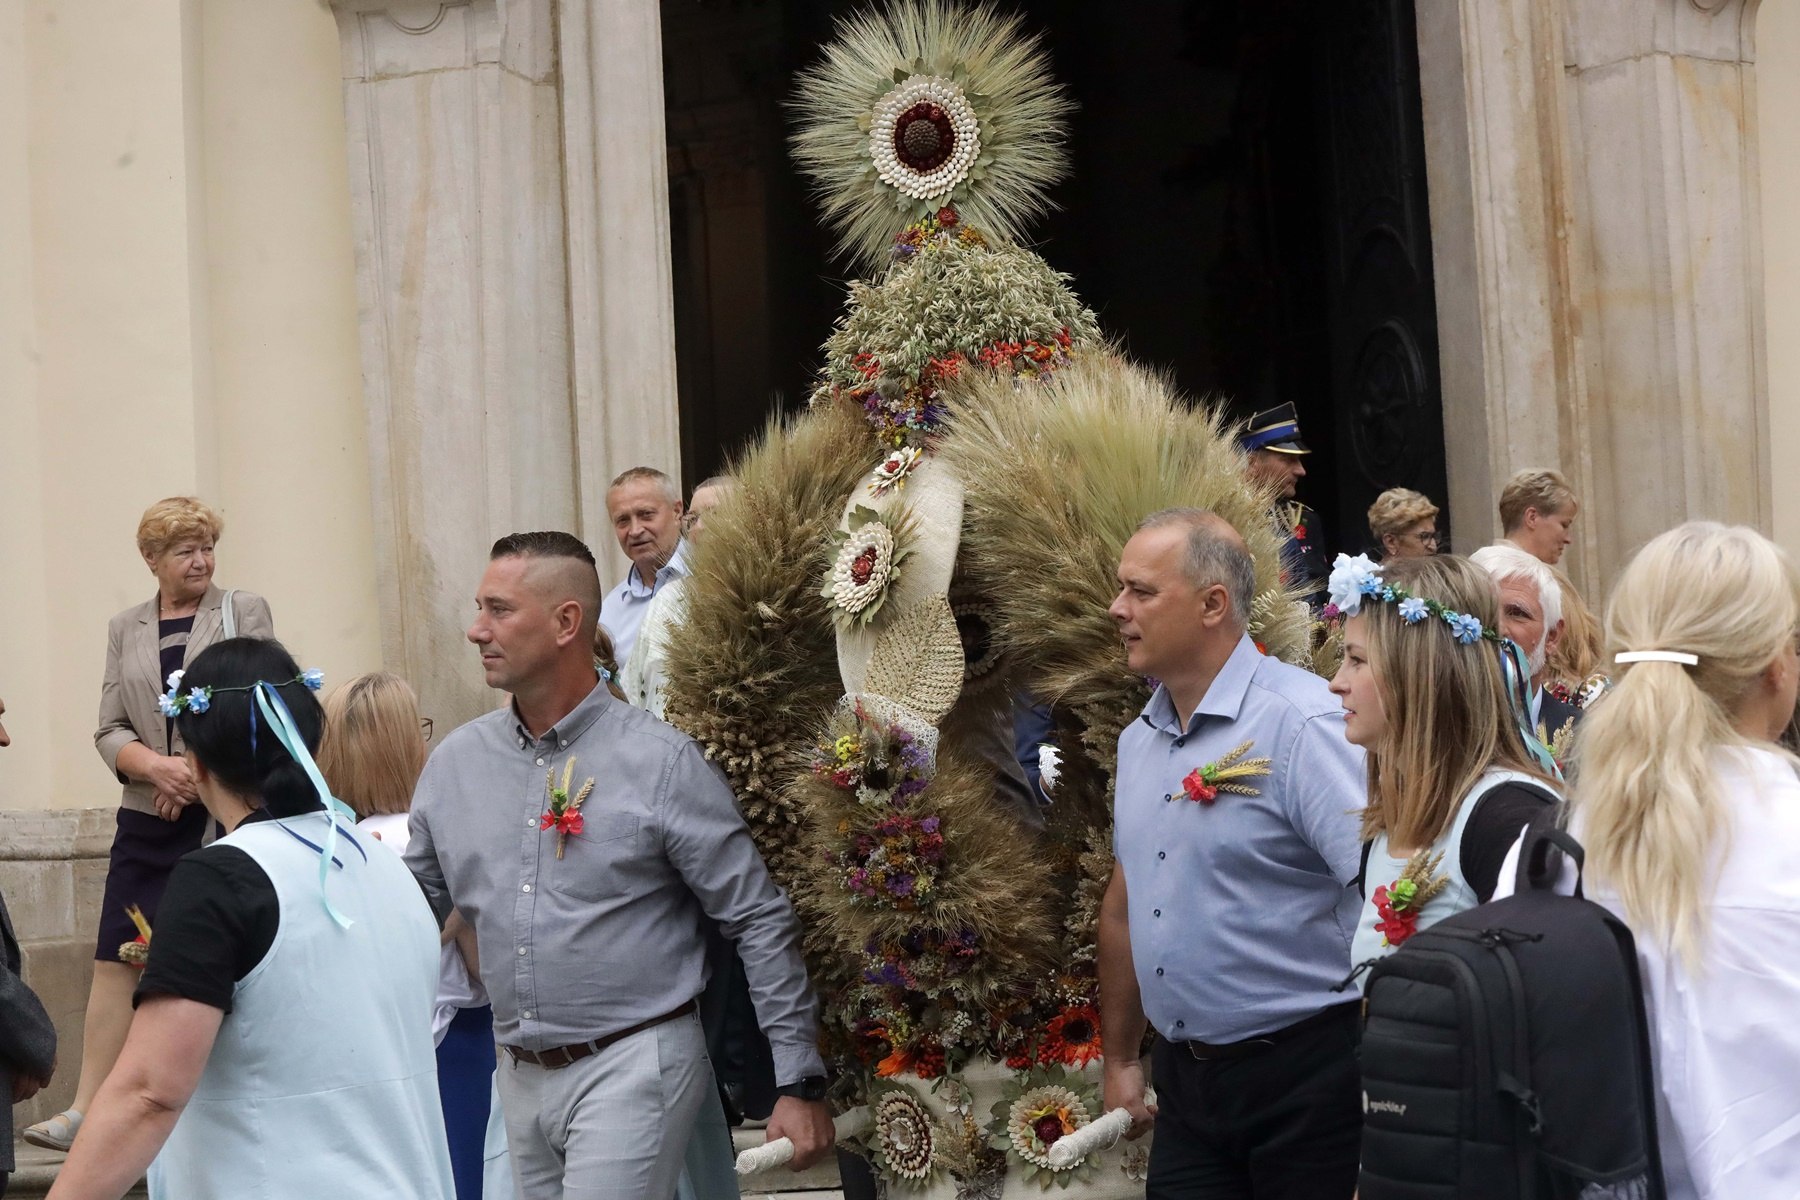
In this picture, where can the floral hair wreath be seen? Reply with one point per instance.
(199, 699)
(1355, 579)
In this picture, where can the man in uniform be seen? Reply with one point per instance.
(1272, 442)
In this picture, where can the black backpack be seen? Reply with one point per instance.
(1505, 1052)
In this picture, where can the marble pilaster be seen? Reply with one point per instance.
(457, 197)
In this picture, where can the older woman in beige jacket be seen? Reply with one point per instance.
(159, 819)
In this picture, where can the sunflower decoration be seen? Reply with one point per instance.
(924, 106)
(870, 549)
(1072, 1037)
(905, 1138)
(1037, 1111)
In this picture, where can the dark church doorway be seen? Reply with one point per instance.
(1247, 209)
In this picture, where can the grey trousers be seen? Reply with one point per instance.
(614, 1126)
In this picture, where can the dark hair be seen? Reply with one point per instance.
(221, 737)
(551, 543)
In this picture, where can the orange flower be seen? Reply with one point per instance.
(1072, 1037)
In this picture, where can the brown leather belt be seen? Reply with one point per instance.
(562, 1056)
(1209, 1052)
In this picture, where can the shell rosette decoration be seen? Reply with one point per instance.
(922, 105)
(1038, 1111)
(869, 553)
(905, 1138)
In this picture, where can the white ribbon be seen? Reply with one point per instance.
(780, 1151)
(1674, 656)
(1102, 1133)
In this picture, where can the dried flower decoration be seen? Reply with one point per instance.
(869, 553)
(905, 1137)
(1037, 1111)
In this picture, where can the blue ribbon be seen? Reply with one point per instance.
(1517, 678)
(281, 721)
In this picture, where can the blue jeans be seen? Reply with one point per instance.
(465, 1086)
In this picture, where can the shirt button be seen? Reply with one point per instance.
(1159, 970)
(531, 820)
(1179, 743)
(1161, 854)
(1156, 913)
(521, 952)
(527, 1015)
(527, 888)
(1181, 1024)
(540, 762)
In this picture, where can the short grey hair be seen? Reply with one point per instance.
(671, 492)
(1212, 558)
(1503, 561)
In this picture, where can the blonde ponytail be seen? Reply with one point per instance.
(1644, 799)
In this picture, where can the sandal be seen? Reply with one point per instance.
(58, 1133)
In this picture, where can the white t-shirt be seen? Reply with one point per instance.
(456, 989)
(1725, 1037)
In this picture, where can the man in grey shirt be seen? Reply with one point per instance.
(582, 839)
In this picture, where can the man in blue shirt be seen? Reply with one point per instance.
(645, 508)
(1231, 908)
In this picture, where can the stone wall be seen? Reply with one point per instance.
(52, 872)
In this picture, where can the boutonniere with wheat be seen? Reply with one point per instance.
(564, 813)
(1203, 784)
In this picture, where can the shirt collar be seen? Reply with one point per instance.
(675, 568)
(572, 726)
(1224, 698)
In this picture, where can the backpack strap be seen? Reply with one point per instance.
(1362, 869)
(1540, 857)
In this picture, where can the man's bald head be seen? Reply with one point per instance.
(1216, 553)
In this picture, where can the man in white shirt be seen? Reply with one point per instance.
(1531, 615)
(643, 670)
(645, 507)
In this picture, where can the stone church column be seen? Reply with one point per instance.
(1662, 116)
(621, 300)
(1490, 76)
(457, 196)
(1597, 233)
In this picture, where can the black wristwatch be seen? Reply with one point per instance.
(812, 1088)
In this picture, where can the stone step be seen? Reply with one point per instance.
(37, 1170)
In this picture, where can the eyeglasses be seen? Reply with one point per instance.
(425, 727)
(1428, 538)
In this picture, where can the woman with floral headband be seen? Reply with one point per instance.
(1689, 813)
(282, 1043)
(1427, 691)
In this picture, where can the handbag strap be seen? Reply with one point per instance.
(229, 610)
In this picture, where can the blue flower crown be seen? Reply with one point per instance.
(199, 699)
(1355, 579)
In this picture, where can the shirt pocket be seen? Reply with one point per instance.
(596, 862)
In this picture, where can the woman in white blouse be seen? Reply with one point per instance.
(1690, 815)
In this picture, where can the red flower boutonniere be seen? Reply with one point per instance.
(1399, 903)
(564, 813)
(1203, 784)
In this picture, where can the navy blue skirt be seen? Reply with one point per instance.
(144, 851)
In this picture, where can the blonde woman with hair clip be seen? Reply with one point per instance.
(371, 754)
(1428, 693)
(1689, 812)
